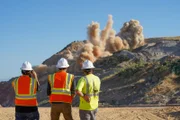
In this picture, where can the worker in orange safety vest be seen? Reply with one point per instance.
(61, 91)
(25, 88)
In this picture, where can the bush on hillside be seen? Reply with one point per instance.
(132, 69)
(175, 67)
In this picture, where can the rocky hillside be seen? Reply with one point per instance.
(145, 75)
(139, 82)
(72, 48)
(6, 93)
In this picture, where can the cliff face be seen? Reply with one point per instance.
(6, 93)
(128, 77)
(69, 52)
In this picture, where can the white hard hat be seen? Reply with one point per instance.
(87, 64)
(62, 63)
(26, 66)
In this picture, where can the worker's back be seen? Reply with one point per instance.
(90, 85)
(60, 83)
(25, 90)
(61, 91)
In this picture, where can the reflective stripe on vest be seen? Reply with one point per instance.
(87, 89)
(25, 97)
(52, 80)
(68, 81)
(31, 94)
(61, 92)
(66, 90)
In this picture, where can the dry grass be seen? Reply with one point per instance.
(141, 81)
(158, 39)
(166, 38)
(167, 85)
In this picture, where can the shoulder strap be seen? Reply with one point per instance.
(51, 79)
(68, 79)
(87, 85)
(15, 82)
(32, 87)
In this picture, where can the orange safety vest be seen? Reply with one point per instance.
(25, 91)
(61, 83)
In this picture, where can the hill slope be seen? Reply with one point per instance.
(141, 76)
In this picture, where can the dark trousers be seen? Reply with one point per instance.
(27, 116)
(64, 108)
(87, 114)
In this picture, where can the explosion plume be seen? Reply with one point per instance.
(104, 43)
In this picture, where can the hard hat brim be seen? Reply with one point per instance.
(62, 66)
(26, 69)
(88, 68)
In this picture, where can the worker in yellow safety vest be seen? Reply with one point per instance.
(88, 88)
(61, 91)
(25, 88)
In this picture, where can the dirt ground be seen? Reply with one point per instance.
(122, 113)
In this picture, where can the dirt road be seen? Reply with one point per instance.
(124, 113)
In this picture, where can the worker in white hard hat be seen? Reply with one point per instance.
(61, 91)
(25, 88)
(88, 88)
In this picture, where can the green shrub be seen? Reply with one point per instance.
(131, 69)
(172, 66)
(175, 67)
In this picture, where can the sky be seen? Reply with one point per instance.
(34, 30)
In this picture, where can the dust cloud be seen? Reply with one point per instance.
(102, 43)
(40, 69)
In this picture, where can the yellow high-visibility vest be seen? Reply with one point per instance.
(89, 85)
